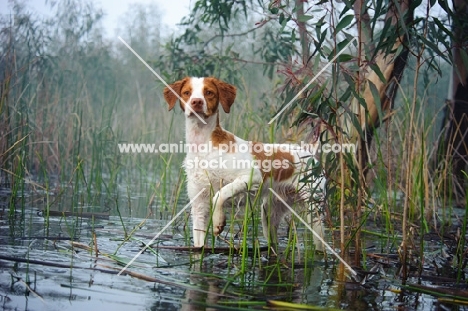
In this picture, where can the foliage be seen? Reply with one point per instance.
(299, 38)
(69, 97)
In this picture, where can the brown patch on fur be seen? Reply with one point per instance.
(211, 94)
(280, 164)
(226, 92)
(169, 95)
(220, 136)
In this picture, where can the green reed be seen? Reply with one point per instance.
(65, 117)
(461, 245)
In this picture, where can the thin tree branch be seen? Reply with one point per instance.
(261, 24)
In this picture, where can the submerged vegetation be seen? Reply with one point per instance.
(70, 95)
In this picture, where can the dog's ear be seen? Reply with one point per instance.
(227, 94)
(170, 95)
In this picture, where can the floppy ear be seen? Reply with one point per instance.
(227, 94)
(169, 95)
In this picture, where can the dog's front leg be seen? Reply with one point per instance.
(200, 212)
(239, 185)
(200, 217)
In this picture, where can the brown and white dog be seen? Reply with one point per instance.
(226, 166)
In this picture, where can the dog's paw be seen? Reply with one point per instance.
(199, 237)
(219, 222)
(218, 228)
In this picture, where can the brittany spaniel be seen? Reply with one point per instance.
(222, 166)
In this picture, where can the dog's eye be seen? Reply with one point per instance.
(187, 93)
(208, 93)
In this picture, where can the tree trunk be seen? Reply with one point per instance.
(303, 35)
(390, 65)
(457, 113)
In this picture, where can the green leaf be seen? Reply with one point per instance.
(379, 73)
(384, 41)
(377, 14)
(377, 102)
(340, 46)
(281, 18)
(321, 38)
(443, 28)
(318, 25)
(353, 117)
(344, 58)
(274, 10)
(343, 23)
(304, 18)
(434, 48)
(348, 6)
(444, 4)
(120, 260)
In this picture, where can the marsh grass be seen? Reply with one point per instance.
(62, 120)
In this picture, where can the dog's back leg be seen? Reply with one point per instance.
(315, 218)
(272, 213)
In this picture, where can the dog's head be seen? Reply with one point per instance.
(201, 95)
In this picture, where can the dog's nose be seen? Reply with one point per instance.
(197, 103)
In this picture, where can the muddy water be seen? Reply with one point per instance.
(59, 270)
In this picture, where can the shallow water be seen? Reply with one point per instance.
(58, 270)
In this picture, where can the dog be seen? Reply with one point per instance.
(222, 166)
